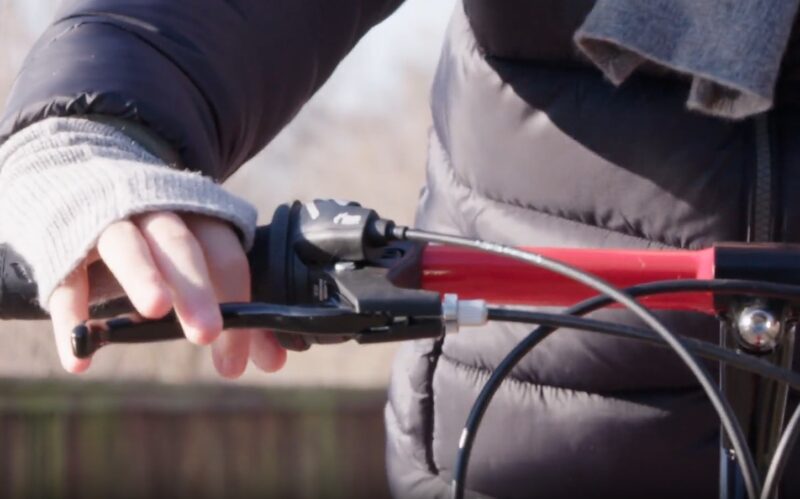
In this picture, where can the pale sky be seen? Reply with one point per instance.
(35, 13)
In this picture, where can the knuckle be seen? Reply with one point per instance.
(176, 235)
(123, 227)
(116, 232)
(152, 217)
(160, 222)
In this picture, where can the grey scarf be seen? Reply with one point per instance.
(731, 49)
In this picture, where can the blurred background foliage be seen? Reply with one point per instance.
(155, 420)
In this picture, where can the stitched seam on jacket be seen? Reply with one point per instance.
(541, 211)
(476, 50)
(124, 25)
(485, 372)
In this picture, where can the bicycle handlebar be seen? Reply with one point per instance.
(17, 287)
(327, 272)
(331, 253)
(332, 231)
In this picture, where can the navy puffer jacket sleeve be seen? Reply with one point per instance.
(217, 79)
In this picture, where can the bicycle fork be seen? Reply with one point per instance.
(766, 330)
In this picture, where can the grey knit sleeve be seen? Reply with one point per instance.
(64, 180)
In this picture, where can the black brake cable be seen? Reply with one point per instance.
(700, 348)
(786, 292)
(721, 405)
(738, 287)
(719, 286)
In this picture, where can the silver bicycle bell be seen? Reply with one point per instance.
(758, 328)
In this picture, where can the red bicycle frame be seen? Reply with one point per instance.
(473, 274)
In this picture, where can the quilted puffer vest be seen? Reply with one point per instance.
(531, 146)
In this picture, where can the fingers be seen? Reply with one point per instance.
(180, 260)
(69, 306)
(127, 255)
(230, 273)
(267, 354)
(163, 261)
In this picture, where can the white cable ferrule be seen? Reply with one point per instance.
(457, 313)
(472, 313)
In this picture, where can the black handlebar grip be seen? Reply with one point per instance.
(258, 257)
(17, 288)
(18, 292)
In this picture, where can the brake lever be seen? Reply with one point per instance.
(328, 324)
(351, 302)
(329, 274)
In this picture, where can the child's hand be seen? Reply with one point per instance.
(163, 261)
